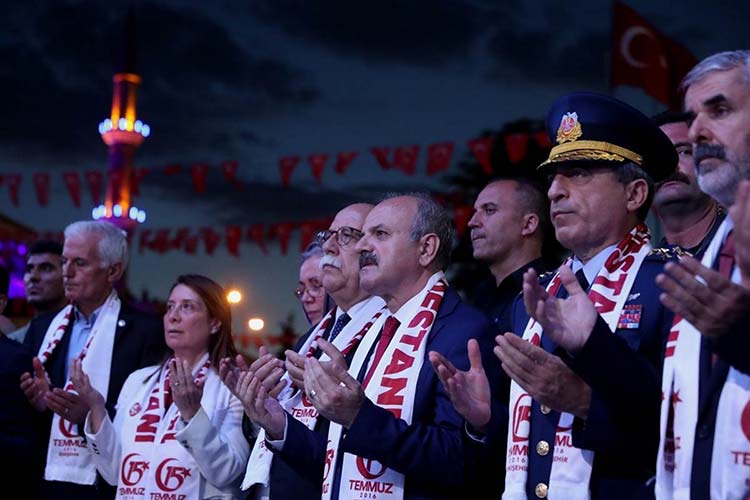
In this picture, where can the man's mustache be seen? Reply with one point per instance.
(367, 258)
(703, 151)
(676, 176)
(330, 260)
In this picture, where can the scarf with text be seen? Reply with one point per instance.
(67, 457)
(571, 466)
(730, 461)
(393, 387)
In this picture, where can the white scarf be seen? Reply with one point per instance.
(402, 360)
(67, 457)
(571, 466)
(730, 459)
(295, 401)
(152, 462)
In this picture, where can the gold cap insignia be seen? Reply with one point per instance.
(570, 128)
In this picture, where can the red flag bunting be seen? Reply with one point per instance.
(515, 146)
(161, 242)
(143, 239)
(41, 187)
(317, 164)
(405, 159)
(73, 182)
(256, 234)
(644, 57)
(307, 229)
(461, 217)
(211, 239)
(191, 244)
(482, 147)
(172, 169)
(198, 171)
(287, 165)
(180, 238)
(13, 181)
(381, 156)
(283, 231)
(439, 157)
(139, 173)
(343, 160)
(233, 237)
(229, 169)
(94, 180)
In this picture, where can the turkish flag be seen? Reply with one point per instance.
(211, 239)
(283, 231)
(644, 57)
(233, 236)
(461, 217)
(41, 186)
(73, 183)
(317, 164)
(13, 181)
(439, 157)
(482, 147)
(405, 159)
(199, 172)
(229, 169)
(381, 156)
(343, 160)
(94, 179)
(287, 165)
(256, 234)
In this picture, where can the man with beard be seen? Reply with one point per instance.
(275, 468)
(585, 399)
(507, 233)
(705, 418)
(688, 216)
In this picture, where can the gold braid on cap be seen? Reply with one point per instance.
(592, 150)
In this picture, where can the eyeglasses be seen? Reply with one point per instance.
(314, 290)
(344, 235)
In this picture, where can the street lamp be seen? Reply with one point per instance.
(234, 296)
(256, 324)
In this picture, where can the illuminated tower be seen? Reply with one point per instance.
(123, 133)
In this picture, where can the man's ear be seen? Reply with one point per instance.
(114, 272)
(636, 194)
(530, 224)
(429, 244)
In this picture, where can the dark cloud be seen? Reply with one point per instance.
(58, 64)
(423, 32)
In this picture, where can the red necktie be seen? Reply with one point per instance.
(726, 257)
(386, 334)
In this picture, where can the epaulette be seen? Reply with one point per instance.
(669, 253)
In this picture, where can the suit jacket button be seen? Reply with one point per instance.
(545, 409)
(541, 490)
(121, 323)
(703, 432)
(542, 448)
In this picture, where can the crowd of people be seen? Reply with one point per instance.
(622, 372)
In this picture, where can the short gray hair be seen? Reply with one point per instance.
(113, 244)
(314, 249)
(723, 61)
(630, 172)
(431, 217)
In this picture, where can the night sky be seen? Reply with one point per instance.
(255, 81)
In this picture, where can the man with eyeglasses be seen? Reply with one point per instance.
(274, 469)
(585, 356)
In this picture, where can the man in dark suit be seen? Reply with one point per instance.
(705, 448)
(95, 324)
(584, 403)
(398, 435)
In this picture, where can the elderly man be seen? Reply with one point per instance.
(688, 216)
(292, 475)
(111, 339)
(43, 282)
(394, 432)
(585, 398)
(507, 233)
(705, 424)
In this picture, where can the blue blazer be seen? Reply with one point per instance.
(431, 451)
(624, 373)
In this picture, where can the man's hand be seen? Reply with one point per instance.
(568, 322)
(262, 409)
(36, 387)
(295, 367)
(186, 394)
(334, 393)
(544, 376)
(712, 308)
(269, 370)
(229, 372)
(470, 390)
(740, 214)
(68, 405)
(90, 396)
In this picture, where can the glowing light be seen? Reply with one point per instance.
(21, 249)
(137, 126)
(133, 213)
(122, 123)
(234, 296)
(117, 210)
(145, 130)
(256, 324)
(141, 217)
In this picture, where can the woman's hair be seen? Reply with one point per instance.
(212, 294)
